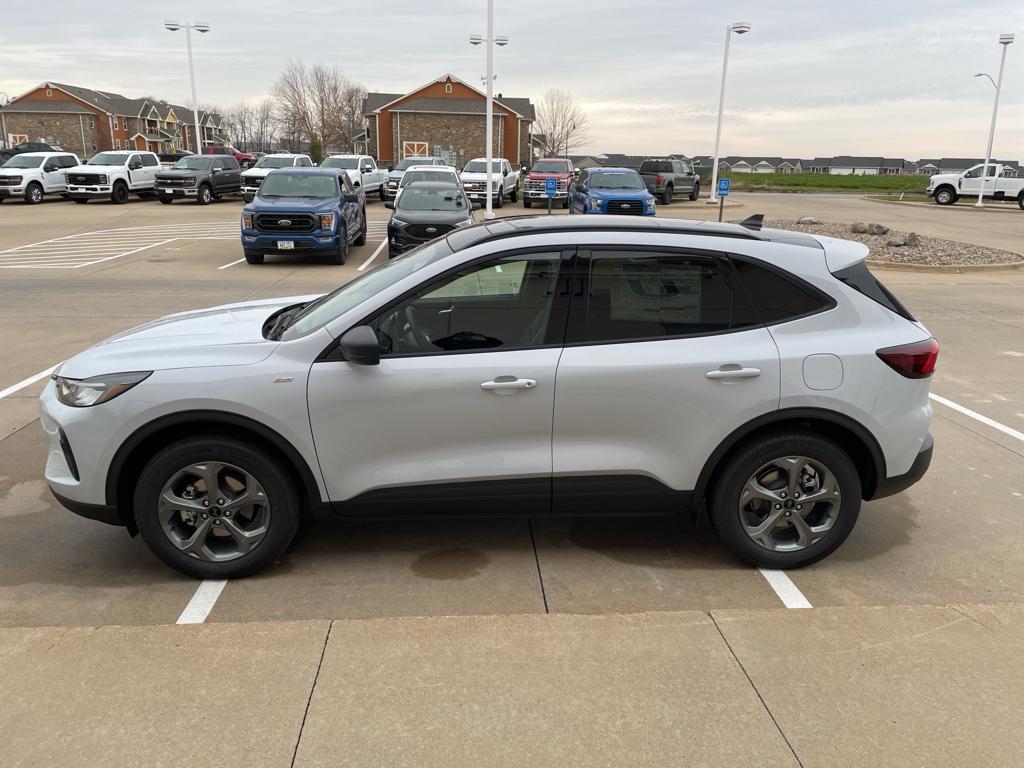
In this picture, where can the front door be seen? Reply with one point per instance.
(970, 184)
(457, 415)
(662, 361)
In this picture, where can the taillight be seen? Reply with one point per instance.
(659, 180)
(915, 361)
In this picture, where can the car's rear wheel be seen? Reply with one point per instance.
(213, 507)
(945, 196)
(119, 194)
(786, 500)
(666, 196)
(205, 195)
(339, 254)
(33, 194)
(253, 257)
(515, 194)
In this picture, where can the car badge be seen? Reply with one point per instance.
(431, 230)
(625, 206)
(284, 222)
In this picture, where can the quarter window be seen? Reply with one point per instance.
(643, 296)
(506, 303)
(776, 297)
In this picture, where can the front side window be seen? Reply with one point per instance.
(299, 185)
(505, 303)
(638, 296)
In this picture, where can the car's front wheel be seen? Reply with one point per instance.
(205, 195)
(119, 194)
(945, 196)
(786, 500)
(33, 194)
(214, 507)
(340, 254)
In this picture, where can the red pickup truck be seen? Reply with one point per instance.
(558, 167)
(245, 160)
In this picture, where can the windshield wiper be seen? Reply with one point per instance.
(282, 321)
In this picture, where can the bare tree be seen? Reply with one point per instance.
(263, 124)
(319, 102)
(561, 121)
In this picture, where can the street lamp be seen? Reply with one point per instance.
(740, 28)
(202, 27)
(1004, 40)
(491, 41)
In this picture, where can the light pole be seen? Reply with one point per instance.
(740, 28)
(491, 41)
(1004, 40)
(202, 27)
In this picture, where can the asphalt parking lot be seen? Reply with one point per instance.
(939, 564)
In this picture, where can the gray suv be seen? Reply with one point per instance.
(203, 178)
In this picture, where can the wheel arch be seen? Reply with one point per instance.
(852, 437)
(144, 442)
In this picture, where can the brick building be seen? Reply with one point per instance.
(86, 121)
(446, 118)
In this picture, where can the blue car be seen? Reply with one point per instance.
(611, 190)
(304, 210)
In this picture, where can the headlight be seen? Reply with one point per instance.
(246, 221)
(596, 205)
(465, 223)
(189, 181)
(103, 178)
(81, 393)
(398, 222)
(650, 205)
(326, 221)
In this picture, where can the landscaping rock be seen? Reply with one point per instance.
(807, 220)
(913, 239)
(859, 227)
(877, 229)
(897, 239)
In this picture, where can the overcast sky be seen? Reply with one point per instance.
(814, 77)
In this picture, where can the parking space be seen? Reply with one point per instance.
(950, 539)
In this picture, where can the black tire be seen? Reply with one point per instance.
(119, 194)
(166, 199)
(499, 200)
(1020, 200)
(283, 504)
(527, 202)
(339, 255)
(80, 200)
(204, 195)
(745, 462)
(695, 192)
(245, 165)
(361, 239)
(945, 196)
(565, 202)
(381, 193)
(666, 196)
(515, 194)
(2, 199)
(34, 193)
(254, 257)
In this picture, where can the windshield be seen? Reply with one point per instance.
(348, 163)
(656, 166)
(20, 161)
(411, 161)
(349, 296)
(299, 185)
(551, 166)
(274, 161)
(480, 166)
(194, 163)
(419, 199)
(424, 175)
(617, 181)
(109, 158)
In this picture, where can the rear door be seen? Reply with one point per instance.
(664, 358)
(150, 166)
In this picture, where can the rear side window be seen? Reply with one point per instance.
(776, 297)
(859, 277)
(149, 160)
(641, 296)
(230, 163)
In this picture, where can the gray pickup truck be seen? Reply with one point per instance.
(203, 178)
(665, 178)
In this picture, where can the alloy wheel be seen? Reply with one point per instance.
(789, 503)
(214, 511)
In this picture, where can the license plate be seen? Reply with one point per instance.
(167, 191)
(286, 245)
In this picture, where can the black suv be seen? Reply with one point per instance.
(425, 210)
(203, 178)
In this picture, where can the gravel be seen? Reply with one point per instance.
(931, 251)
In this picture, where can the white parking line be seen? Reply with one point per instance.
(26, 382)
(202, 602)
(978, 417)
(784, 587)
(237, 261)
(380, 248)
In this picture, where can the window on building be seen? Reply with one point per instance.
(448, 88)
(117, 143)
(49, 92)
(92, 122)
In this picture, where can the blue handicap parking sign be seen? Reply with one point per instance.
(551, 186)
(723, 187)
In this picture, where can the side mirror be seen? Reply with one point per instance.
(50, 168)
(355, 183)
(477, 206)
(359, 346)
(350, 197)
(391, 168)
(504, 171)
(134, 166)
(216, 170)
(389, 204)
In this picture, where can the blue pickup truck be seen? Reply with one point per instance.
(304, 210)
(611, 190)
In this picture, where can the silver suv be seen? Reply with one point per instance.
(530, 366)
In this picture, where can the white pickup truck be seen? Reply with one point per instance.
(503, 178)
(362, 171)
(252, 178)
(113, 175)
(31, 175)
(947, 188)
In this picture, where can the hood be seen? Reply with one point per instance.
(179, 173)
(396, 174)
(257, 173)
(432, 217)
(944, 177)
(298, 204)
(621, 194)
(562, 175)
(470, 176)
(231, 334)
(93, 168)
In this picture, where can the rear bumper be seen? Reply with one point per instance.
(892, 485)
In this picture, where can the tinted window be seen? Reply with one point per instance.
(776, 297)
(218, 163)
(305, 162)
(656, 166)
(340, 162)
(635, 295)
(504, 304)
(67, 161)
(230, 163)
(193, 163)
(150, 160)
(859, 277)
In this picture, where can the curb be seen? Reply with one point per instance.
(899, 266)
(919, 204)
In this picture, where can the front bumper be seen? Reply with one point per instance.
(534, 194)
(177, 192)
(892, 485)
(82, 192)
(6, 192)
(321, 240)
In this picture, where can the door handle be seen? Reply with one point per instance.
(733, 373)
(508, 382)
